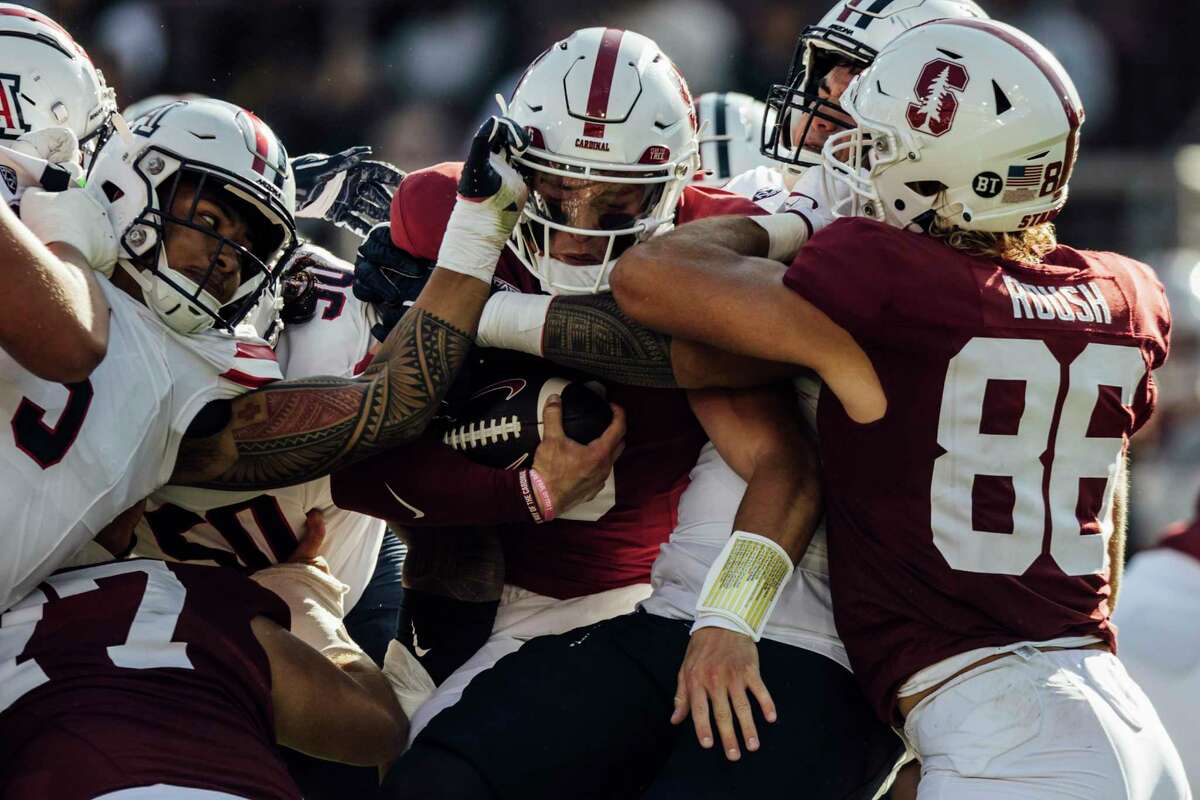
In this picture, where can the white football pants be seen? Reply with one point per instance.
(1054, 725)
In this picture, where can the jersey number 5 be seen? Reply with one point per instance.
(45, 444)
(1030, 446)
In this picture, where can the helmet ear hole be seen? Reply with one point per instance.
(926, 188)
(112, 191)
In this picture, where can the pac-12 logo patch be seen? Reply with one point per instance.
(937, 90)
(9, 177)
(12, 121)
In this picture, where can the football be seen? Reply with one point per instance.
(500, 425)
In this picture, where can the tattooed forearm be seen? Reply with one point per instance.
(591, 333)
(294, 431)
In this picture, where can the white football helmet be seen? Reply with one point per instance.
(852, 33)
(613, 135)
(218, 149)
(968, 120)
(47, 80)
(730, 136)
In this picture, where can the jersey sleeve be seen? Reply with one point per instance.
(699, 202)
(426, 483)
(421, 208)
(842, 270)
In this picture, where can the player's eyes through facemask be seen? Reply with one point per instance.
(593, 205)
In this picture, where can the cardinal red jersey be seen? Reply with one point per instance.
(135, 673)
(977, 512)
(612, 540)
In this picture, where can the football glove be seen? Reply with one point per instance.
(345, 189)
(388, 278)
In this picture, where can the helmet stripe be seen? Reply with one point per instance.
(1075, 114)
(602, 76)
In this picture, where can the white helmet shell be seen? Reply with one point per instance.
(730, 133)
(853, 32)
(606, 106)
(969, 120)
(47, 80)
(225, 147)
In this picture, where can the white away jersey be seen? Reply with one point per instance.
(804, 616)
(77, 455)
(256, 529)
(807, 197)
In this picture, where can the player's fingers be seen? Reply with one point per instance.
(698, 701)
(552, 427)
(310, 544)
(740, 701)
(614, 434)
(759, 689)
(724, 719)
(680, 711)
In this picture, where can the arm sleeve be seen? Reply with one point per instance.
(426, 483)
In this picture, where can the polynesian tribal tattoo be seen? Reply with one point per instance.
(591, 333)
(294, 431)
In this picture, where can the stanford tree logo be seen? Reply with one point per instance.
(937, 91)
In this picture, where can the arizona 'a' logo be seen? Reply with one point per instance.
(12, 121)
(937, 87)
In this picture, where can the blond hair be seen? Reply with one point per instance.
(1028, 246)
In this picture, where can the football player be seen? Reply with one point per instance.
(51, 98)
(199, 197)
(1159, 646)
(981, 385)
(613, 149)
(142, 679)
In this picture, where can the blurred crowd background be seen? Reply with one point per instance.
(413, 79)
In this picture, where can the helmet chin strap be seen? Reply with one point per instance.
(168, 302)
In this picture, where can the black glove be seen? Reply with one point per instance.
(388, 278)
(345, 189)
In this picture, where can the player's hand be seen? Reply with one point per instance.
(308, 549)
(47, 159)
(298, 285)
(388, 278)
(488, 175)
(75, 218)
(575, 473)
(720, 672)
(345, 188)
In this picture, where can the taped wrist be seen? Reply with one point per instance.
(514, 321)
(743, 585)
(787, 232)
(315, 599)
(474, 238)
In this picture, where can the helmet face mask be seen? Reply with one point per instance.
(613, 145)
(969, 122)
(206, 184)
(851, 35)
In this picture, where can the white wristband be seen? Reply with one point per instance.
(514, 321)
(787, 232)
(743, 584)
(474, 239)
(74, 218)
(315, 599)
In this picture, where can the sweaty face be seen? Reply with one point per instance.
(830, 90)
(199, 255)
(590, 205)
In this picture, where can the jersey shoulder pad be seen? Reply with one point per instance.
(421, 208)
